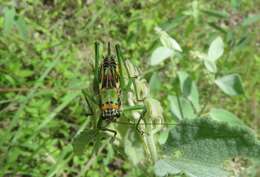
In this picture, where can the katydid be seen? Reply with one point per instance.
(108, 86)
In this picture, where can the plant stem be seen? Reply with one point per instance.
(179, 105)
(208, 99)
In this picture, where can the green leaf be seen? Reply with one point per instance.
(9, 14)
(133, 148)
(235, 4)
(160, 54)
(154, 84)
(230, 84)
(210, 65)
(189, 89)
(217, 26)
(200, 147)
(223, 115)
(22, 27)
(185, 107)
(163, 136)
(215, 13)
(167, 41)
(190, 167)
(216, 49)
(250, 20)
(83, 139)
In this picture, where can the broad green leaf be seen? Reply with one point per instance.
(210, 65)
(223, 115)
(216, 49)
(189, 89)
(133, 148)
(167, 41)
(160, 54)
(9, 14)
(230, 84)
(154, 84)
(185, 107)
(189, 167)
(200, 148)
(83, 139)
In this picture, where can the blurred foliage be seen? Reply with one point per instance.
(46, 57)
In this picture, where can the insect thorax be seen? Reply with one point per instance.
(109, 89)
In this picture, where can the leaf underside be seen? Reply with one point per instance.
(200, 147)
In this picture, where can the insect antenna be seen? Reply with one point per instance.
(149, 123)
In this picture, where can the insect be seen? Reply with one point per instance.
(109, 86)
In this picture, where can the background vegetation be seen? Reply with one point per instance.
(46, 55)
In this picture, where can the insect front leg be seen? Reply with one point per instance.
(131, 79)
(96, 68)
(119, 60)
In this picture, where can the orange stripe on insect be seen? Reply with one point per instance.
(109, 106)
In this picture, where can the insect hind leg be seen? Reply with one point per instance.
(88, 109)
(102, 127)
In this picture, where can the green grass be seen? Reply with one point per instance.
(47, 54)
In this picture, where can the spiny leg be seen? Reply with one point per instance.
(103, 128)
(139, 120)
(131, 79)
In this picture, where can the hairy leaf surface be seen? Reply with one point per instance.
(200, 147)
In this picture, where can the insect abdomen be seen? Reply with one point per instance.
(110, 104)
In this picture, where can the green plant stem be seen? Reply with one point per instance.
(208, 99)
(177, 93)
